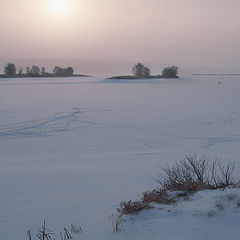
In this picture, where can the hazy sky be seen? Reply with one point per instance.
(169, 31)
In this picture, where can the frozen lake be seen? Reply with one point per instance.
(72, 149)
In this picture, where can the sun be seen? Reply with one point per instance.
(60, 6)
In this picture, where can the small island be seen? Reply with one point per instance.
(10, 71)
(141, 71)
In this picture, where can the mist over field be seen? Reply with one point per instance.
(191, 33)
(100, 99)
(113, 68)
(73, 149)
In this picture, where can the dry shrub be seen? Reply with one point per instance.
(46, 234)
(222, 175)
(190, 175)
(131, 207)
(158, 196)
(190, 187)
(197, 173)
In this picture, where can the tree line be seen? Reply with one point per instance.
(11, 70)
(141, 71)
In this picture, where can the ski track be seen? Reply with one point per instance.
(60, 122)
(64, 122)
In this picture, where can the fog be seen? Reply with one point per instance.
(187, 32)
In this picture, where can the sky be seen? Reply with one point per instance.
(197, 32)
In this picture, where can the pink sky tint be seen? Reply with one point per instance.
(165, 31)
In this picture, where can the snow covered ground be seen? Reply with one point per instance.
(206, 215)
(72, 149)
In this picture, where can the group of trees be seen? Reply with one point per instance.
(170, 72)
(59, 71)
(11, 70)
(141, 71)
(35, 70)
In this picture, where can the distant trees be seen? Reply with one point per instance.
(69, 71)
(20, 71)
(10, 69)
(28, 70)
(35, 70)
(170, 72)
(59, 71)
(141, 71)
(43, 71)
(147, 72)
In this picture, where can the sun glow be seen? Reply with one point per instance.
(60, 6)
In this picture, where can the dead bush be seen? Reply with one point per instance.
(158, 196)
(44, 233)
(222, 175)
(190, 175)
(197, 173)
(131, 207)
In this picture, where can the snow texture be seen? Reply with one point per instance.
(73, 149)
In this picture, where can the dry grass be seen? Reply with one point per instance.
(131, 207)
(127, 208)
(46, 234)
(158, 196)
